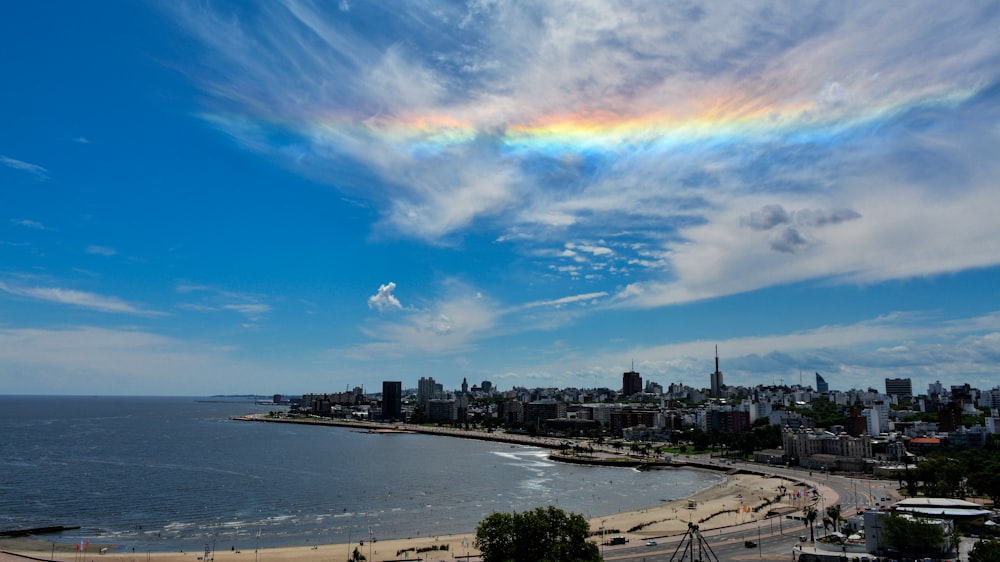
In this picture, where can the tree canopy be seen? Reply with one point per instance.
(544, 534)
(915, 537)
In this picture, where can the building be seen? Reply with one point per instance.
(716, 385)
(815, 448)
(392, 400)
(441, 410)
(546, 409)
(631, 383)
(821, 384)
(426, 390)
(899, 387)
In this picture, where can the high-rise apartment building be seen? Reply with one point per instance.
(821, 384)
(715, 379)
(426, 390)
(899, 387)
(631, 383)
(392, 400)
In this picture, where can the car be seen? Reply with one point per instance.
(650, 543)
(749, 544)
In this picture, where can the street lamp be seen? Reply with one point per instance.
(603, 521)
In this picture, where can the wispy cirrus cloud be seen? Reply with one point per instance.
(101, 251)
(35, 225)
(212, 299)
(686, 126)
(81, 299)
(33, 169)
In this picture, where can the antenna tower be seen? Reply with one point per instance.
(693, 547)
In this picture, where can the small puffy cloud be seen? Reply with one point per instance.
(788, 240)
(34, 169)
(384, 300)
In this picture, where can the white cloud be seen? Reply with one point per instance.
(851, 140)
(88, 359)
(29, 224)
(33, 169)
(859, 355)
(101, 251)
(213, 299)
(80, 299)
(384, 300)
(567, 300)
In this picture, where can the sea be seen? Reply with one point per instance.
(179, 474)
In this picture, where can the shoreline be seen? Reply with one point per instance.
(716, 507)
(744, 496)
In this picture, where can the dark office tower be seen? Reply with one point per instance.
(392, 400)
(465, 386)
(899, 387)
(631, 383)
(715, 379)
(821, 384)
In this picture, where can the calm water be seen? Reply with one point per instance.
(175, 474)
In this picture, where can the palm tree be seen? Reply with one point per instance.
(810, 514)
(833, 512)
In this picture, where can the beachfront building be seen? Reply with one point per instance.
(392, 400)
(633, 416)
(538, 411)
(442, 410)
(816, 448)
(511, 412)
(427, 390)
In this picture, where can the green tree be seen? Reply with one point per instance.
(985, 551)
(914, 537)
(833, 512)
(810, 513)
(543, 535)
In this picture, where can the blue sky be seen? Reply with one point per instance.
(215, 197)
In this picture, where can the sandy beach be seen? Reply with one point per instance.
(727, 504)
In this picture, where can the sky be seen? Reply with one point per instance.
(212, 197)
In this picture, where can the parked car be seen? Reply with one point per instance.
(650, 543)
(749, 544)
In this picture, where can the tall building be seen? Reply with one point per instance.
(715, 379)
(426, 390)
(899, 387)
(392, 400)
(465, 386)
(821, 384)
(631, 383)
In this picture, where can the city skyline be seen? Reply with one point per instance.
(212, 198)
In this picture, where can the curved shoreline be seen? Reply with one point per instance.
(738, 499)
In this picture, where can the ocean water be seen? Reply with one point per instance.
(162, 474)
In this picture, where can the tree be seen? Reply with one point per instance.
(985, 551)
(543, 535)
(914, 537)
(810, 514)
(833, 512)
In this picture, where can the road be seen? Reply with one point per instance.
(777, 536)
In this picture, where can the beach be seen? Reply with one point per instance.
(730, 503)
